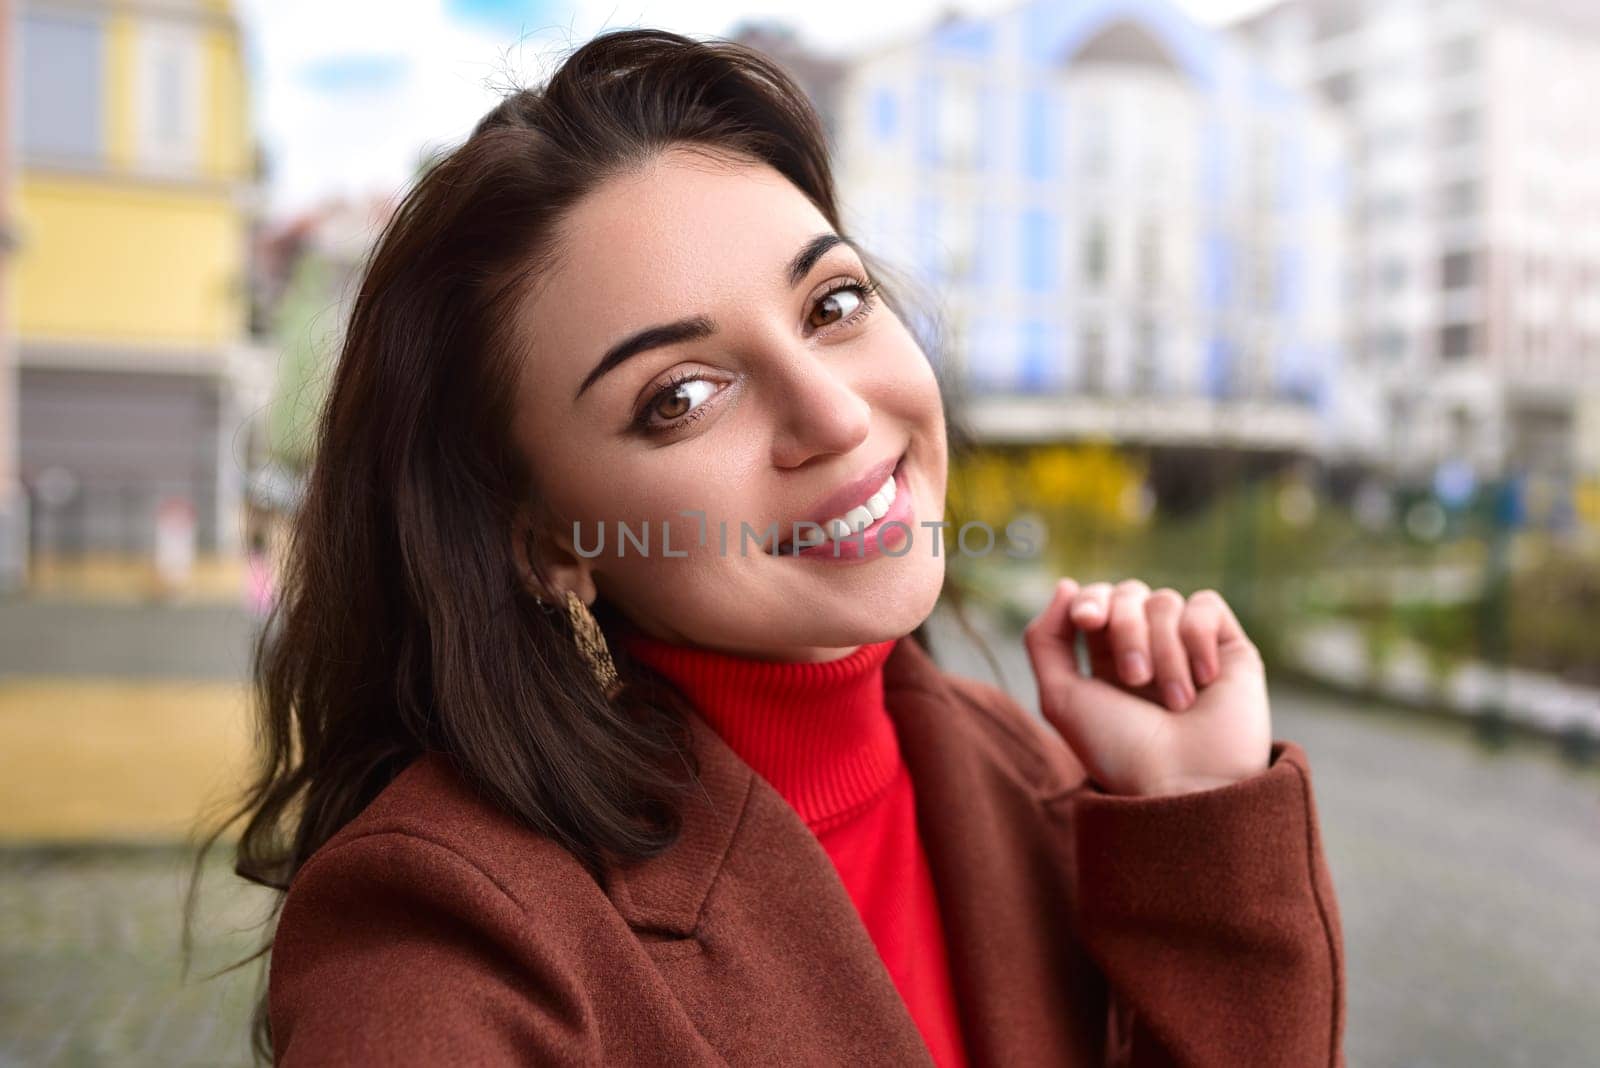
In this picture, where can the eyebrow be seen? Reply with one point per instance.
(696, 327)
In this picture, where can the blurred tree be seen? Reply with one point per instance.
(306, 328)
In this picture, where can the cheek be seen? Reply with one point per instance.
(914, 380)
(922, 406)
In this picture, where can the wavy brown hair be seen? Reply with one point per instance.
(404, 622)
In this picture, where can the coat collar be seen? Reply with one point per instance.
(995, 855)
(666, 893)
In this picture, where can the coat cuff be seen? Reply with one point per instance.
(1213, 916)
(1200, 850)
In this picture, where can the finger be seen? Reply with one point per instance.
(1173, 679)
(1130, 632)
(1050, 639)
(1092, 606)
(1198, 630)
(1233, 646)
(1213, 636)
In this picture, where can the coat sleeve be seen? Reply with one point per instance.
(1212, 915)
(392, 949)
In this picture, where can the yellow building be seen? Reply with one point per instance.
(134, 199)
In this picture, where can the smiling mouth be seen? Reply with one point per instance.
(852, 522)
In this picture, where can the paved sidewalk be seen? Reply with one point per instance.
(130, 641)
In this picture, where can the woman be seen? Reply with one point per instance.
(541, 798)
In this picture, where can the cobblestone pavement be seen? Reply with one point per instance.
(89, 960)
(1467, 879)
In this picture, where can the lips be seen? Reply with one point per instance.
(841, 500)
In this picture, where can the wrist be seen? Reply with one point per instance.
(1190, 784)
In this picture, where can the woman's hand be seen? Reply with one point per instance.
(1176, 700)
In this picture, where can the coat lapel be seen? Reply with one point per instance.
(854, 1012)
(1001, 870)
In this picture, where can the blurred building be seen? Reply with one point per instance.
(136, 192)
(819, 76)
(306, 272)
(13, 513)
(1134, 232)
(1476, 185)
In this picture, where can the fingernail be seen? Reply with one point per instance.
(1177, 697)
(1202, 672)
(1135, 668)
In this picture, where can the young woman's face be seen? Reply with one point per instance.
(793, 393)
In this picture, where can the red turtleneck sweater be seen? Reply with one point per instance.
(822, 736)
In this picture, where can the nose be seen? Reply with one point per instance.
(819, 409)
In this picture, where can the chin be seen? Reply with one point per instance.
(906, 597)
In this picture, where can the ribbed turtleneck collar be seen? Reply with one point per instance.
(819, 732)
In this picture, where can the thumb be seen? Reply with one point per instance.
(1104, 726)
(1051, 642)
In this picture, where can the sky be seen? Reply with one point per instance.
(348, 94)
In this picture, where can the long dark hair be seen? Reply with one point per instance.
(404, 623)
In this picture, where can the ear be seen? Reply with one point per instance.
(547, 559)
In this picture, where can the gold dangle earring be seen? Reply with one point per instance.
(591, 642)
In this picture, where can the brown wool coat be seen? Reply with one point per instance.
(1084, 928)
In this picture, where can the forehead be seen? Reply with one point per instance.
(657, 244)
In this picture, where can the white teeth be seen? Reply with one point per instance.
(859, 518)
(853, 521)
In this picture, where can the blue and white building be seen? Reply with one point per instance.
(1127, 227)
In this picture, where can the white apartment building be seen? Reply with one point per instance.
(1476, 244)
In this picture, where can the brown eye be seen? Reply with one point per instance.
(831, 305)
(676, 401)
(674, 404)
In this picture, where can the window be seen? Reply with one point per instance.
(1038, 357)
(1264, 159)
(60, 93)
(1264, 278)
(1146, 358)
(1039, 250)
(959, 238)
(1094, 154)
(1386, 139)
(1456, 57)
(1535, 270)
(1456, 270)
(1390, 275)
(1150, 257)
(959, 125)
(1092, 359)
(169, 97)
(1455, 341)
(1038, 135)
(1331, 20)
(885, 114)
(1458, 198)
(1096, 258)
(1458, 128)
(1387, 207)
(1388, 345)
(1341, 88)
